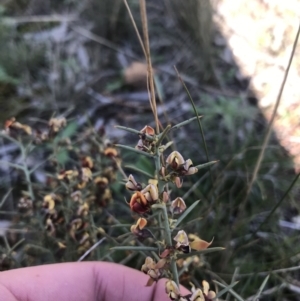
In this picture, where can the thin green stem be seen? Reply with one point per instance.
(130, 130)
(198, 119)
(278, 204)
(157, 169)
(163, 135)
(168, 238)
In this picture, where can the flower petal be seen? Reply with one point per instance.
(197, 296)
(182, 238)
(200, 244)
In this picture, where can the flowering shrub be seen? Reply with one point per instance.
(59, 217)
(152, 205)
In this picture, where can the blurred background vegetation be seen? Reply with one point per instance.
(82, 60)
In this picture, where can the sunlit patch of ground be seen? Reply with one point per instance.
(260, 34)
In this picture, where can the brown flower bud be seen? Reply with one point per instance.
(87, 162)
(111, 152)
(178, 182)
(101, 182)
(165, 197)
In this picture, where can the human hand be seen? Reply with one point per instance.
(79, 281)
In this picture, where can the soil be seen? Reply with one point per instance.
(260, 34)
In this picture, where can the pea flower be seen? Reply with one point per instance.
(188, 168)
(57, 123)
(150, 268)
(208, 293)
(175, 160)
(182, 242)
(178, 206)
(140, 224)
(68, 175)
(148, 130)
(138, 203)
(12, 125)
(151, 193)
(131, 184)
(139, 229)
(172, 290)
(111, 152)
(86, 174)
(185, 246)
(197, 295)
(144, 142)
(181, 166)
(49, 202)
(87, 162)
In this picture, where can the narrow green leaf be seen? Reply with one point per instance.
(231, 291)
(3, 135)
(179, 125)
(67, 132)
(130, 130)
(5, 197)
(133, 150)
(201, 252)
(143, 172)
(261, 288)
(200, 166)
(39, 165)
(62, 157)
(185, 213)
(277, 204)
(120, 226)
(163, 134)
(198, 119)
(163, 147)
(132, 248)
(225, 290)
(145, 164)
(235, 274)
(159, 88)
(16, 245)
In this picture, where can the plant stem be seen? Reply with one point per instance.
(27, 173)
(168, 238)
(157, 168)
(149, 64)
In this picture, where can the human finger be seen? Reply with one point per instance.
(79, 281)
